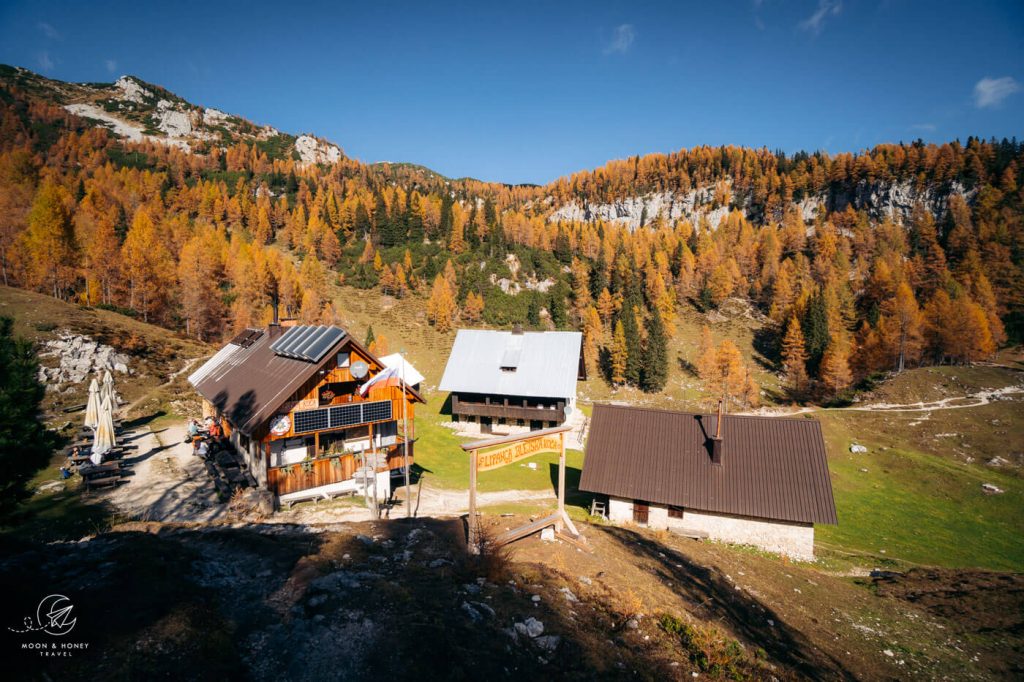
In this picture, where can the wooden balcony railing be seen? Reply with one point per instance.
(508, 410)
(314, 473)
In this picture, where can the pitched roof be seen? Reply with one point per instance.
(249, 382)
(772, 468)
(530, 364)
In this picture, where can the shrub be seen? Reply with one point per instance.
(707, 647)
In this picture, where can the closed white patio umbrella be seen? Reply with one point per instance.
(92, 408)
(108, 388)
(103, 440)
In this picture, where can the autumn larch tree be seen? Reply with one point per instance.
(49, 240)
(441, 307)
(794, 357)
(835, 368)
(619, 355)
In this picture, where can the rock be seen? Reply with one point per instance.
(365, 539)
(633, 624)
(548, 642)
(568, 594)
(473, 614)
(855, 448)
(997, 461)
(438, 563)
(991, 489)
(585, 580)
(548, 534)
(531, 628)
(484, 608)
(535, 599)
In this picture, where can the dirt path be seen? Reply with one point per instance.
(976, 399)
(167, 483)
(127, 409)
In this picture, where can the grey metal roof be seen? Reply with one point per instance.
(545, 364)
(772, 468)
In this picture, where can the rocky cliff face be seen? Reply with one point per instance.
(880, 200)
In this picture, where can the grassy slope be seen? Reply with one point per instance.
(919, 500)
(64, 514)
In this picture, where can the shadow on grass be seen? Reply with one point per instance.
(715, 598)
(574, 497)
(142, 421)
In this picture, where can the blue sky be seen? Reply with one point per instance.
(527, 92)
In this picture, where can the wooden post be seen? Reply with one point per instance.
(472, 535)
(561, 482)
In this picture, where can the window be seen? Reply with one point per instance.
(675, 512)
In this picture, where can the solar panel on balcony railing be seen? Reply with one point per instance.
(346, 415)
(377, 411)
(311, 420)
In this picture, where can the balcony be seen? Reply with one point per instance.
(508, 408)
(328, 469)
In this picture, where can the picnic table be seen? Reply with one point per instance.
(103, 474)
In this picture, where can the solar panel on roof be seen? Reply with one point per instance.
(314, 336)
(323, 344)
(306, 342)
(292, 349)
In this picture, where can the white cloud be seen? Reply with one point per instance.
(622, 39)
(44, 60)
(990, 92)
(816, 22)
(48, 30)
(111, 65)
(924, 127)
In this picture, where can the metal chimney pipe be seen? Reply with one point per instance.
(718, 426)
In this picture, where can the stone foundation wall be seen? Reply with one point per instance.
(791, 539)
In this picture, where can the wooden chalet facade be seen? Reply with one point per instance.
(512, 381)
(292, 400)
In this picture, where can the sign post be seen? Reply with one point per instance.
(498, 452)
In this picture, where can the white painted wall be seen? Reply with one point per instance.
(791, 539)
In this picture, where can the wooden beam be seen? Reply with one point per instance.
(471, 524)
(515, 438)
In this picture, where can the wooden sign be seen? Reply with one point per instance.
(508, 449)
(514, 452)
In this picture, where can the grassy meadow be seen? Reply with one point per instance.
(914, 498)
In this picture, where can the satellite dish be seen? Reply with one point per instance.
(567, 410)
(359, 369)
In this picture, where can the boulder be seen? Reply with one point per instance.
(858, 449)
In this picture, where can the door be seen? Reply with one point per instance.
(485, 425)
(640, 512)
(536, 425)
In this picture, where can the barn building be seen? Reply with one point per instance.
(306, 406)
(758, 481)
(512, 381)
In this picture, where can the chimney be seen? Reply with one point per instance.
(274, 305)
(716, 442)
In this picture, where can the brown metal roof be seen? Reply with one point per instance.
(248, 384)
(772, 468)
